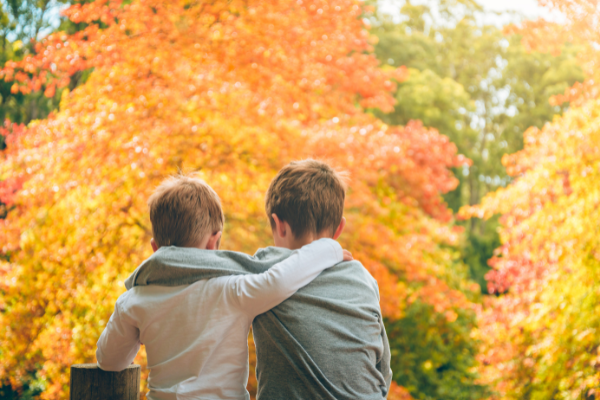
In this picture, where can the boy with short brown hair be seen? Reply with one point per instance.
(309, 195)
(182, 210)
(195, 331)
(328, 340)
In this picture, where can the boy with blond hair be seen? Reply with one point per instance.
(195, 331)
(327, 341)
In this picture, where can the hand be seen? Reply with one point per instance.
(348, 256)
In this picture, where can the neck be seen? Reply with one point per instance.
(295, 244)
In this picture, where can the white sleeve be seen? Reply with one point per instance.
(118, 344)
(258, 293)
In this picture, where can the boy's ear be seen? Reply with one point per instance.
(280, 227)
(154, 245)
(214, 241)
(339, 229)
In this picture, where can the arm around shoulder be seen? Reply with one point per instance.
(259, 293)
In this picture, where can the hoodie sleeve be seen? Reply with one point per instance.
(258, 293)
(119, 342)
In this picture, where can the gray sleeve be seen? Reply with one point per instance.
(384, 364)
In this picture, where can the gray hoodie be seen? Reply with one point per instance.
(327, 341)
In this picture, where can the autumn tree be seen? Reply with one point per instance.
(540, 334)
(21, 22)
(233, 90)
(479, 86)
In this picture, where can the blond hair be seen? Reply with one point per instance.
(183, 210)
(309, 195)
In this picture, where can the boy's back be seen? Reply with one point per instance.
(327, 341)
(192, 335)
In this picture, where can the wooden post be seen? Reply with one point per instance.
(88, 382)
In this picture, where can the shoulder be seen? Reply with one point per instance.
(272, 252)
(153, 294)
(366, 275)
(350, 274)
(357, 268)
(125, 299)
(370, 283)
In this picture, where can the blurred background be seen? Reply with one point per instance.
(478, 253)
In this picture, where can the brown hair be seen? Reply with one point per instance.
(309, 195)
(183, 209)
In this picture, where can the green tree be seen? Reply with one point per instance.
(432, 357)
(479, 87)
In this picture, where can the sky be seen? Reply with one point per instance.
(529, 9)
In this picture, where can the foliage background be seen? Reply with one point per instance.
(422, 109)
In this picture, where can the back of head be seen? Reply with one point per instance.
(183, 210)
(309, 195)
